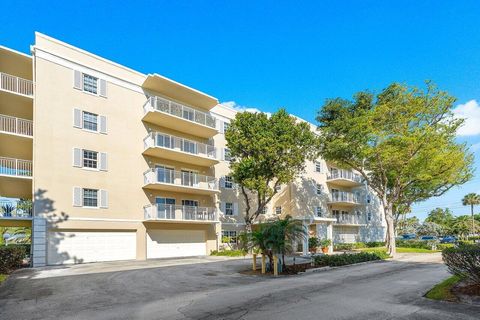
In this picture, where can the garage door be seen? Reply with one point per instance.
(345, 234)
(175, 243)
(79, 247)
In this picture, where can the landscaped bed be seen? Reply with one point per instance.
(399, 250)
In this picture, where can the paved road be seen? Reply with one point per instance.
(215, 290)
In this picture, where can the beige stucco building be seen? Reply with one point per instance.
(123, 165)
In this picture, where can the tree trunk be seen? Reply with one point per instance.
(390, 239)
(473, 221)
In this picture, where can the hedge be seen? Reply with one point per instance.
(11, 257)
(357, 245)
(347, 258)
(414, 244)
(464, 261)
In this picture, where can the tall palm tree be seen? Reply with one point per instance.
(471, 199)
(285, 233)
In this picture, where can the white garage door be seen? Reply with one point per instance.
(175, 243)
(345, 234)
(79, 247)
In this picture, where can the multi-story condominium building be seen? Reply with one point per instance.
(123, 165)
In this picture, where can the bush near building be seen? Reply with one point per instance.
(357, 245)
(348, 258)
(11, 257)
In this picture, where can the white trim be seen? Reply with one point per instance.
(16, 52)
(95, 219)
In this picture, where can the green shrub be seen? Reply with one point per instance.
(348, 258)
(228, 253)
(313, 243)
(343, 246)
(360, 245)
(375, 244)
(465, 242)
(442, 246)
(463, 261)
(414, 244)
(11, 257)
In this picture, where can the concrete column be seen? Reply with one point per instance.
(141, 242)
(39, 242)
(330, 236)
(305, 241)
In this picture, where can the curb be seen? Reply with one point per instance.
(312, 270)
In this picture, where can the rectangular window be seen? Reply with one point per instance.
(278, 188)
(90, 83)
(319, 189)
(189, 146)
(90, 198)
(226, 154)
(228, 209)
(90, 159)
(264, 210)
(90, 121)
(369, 216)
(231, 235)
(228, 182)
(225, 126)
(318, 211)
(318, 166)
(278, 210)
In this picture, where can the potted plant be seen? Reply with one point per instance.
(324, 244)
(313, 244)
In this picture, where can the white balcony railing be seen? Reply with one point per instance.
(157, 139)
(15, 167)
(16, 125)
(179, 213)
(344, 174)
(15, 208)
(179, 110)
(344, 196)
(181, 178)
(349, 219)
(16, 85)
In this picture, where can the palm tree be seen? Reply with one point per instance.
(284, 234)
(471, 199)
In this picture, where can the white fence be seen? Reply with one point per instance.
(16, 125)
(15, 167)
(181, 178)
(177, 212)
(157, 139)
(15, 84)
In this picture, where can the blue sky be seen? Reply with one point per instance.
(271, 54)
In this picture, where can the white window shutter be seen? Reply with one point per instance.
(103, 87)
(222, 207)
(77, 157)
(103, 161)
(77, 118)
(103, 199)
(235, 208)
(77, 80)
(222, 182)
(103, 124)
(77, 197)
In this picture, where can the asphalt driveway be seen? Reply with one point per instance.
(214, 289)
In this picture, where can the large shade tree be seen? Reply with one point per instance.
(266, 152)
(471, 199)
(402, 141)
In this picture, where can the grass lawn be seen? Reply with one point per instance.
(442, 291)
(399, 250)
(3, 277)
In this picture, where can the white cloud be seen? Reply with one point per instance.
(239, 108)
(469, 111)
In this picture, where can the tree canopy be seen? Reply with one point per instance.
(267, 152)
(401, 140)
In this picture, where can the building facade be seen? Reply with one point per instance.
(123, 165)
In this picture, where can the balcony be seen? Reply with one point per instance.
(15, 209)
(346, 178)
(180, 181)
(16, 85)
(349, 220)
(16, 126)
(345, 198)
(165, 146)
(178, 117)
(177, 213)
(15, 178)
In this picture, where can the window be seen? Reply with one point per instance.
(90, 198)
(229, 236)
(226, 125)
(264, 210)
(90, 159)
(189, 146)
(90, 121)
(228, 208)
(226, 154)
(369, 199)
(318, 211)
(278, 210)
(369, 216)
(318, 166)
(89, 83)
(319, 189)
(278, 188)
(228, 182)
